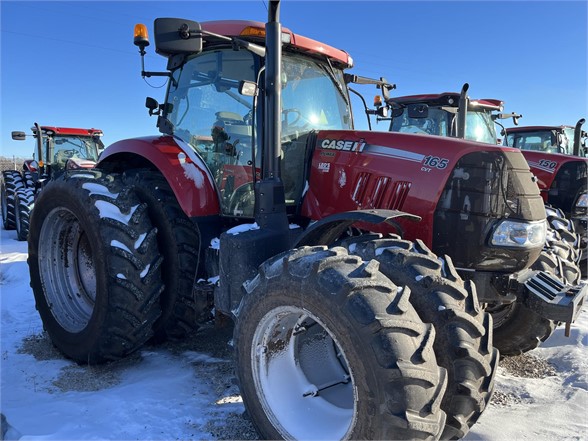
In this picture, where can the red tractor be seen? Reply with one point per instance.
(557, 156)
(260, 200)
(57, 149)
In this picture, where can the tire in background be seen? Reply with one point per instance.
(11, 182)
(518, 329)
(94, 266)
(463, 332)
(328, 348)
(562, 238)
(179, 241)
(23, 200)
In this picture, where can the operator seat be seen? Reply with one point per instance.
(60, 158)
(230, 131)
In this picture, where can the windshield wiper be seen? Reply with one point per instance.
(332, 76)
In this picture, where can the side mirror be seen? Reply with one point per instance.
(418, 110)
(18, 136)
(152, 105)
(177, 36)
(248, 88)
(397, 111)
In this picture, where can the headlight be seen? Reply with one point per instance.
(519, 234)
(582, 201)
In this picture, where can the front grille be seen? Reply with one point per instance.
(484, 188)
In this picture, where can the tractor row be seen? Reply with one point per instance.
(372, 278)
(557, 155)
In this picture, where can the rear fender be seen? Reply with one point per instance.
(183, 169)
(327, 230)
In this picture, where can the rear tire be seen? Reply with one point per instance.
(11, 182)
(179, 241)
(23, 200)
(95, 267)
(463, 342)
(328, 348)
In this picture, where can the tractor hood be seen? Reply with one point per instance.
(452, 184)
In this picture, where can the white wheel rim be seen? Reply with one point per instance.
(302, 377)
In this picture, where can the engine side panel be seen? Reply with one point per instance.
(353, 170)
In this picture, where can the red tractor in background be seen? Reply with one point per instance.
(563, 187)
(557, 156)
(57, 149)
(260, 200)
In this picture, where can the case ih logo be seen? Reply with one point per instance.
(348, 146)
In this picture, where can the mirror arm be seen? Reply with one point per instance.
(368, 112)
(382, 83)
(237, 42)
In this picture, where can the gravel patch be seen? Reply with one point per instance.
(40, 347)
(504, 399)
(527, 366)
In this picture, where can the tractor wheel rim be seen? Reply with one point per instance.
(67, 270)
(302, 376)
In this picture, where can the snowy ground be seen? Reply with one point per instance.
(186, 391)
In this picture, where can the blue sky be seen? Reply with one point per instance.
(74, 64)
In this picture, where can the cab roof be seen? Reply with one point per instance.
(536, 128)
(447, 99)
(235, 28)
(69, 131)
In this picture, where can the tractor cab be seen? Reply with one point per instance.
(439, 114)
(211, 104)
(61, 148)
(207, 110)
(548, 139)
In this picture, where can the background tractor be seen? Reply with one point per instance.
(562, 180)
(557, 155)
(57, 149)
(260, 200)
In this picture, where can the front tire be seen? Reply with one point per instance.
(94, 266)
(463, 332)
(328, 348)
(518, 329)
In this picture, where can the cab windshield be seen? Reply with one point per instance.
(441, 122)
(207, 111)
(435, 123)
(538, 140)
(567, 142)
(66, 147)
(480, 127)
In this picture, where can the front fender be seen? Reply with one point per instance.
(329, 229)
(183, 169)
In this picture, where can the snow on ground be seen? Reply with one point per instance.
(187, 390)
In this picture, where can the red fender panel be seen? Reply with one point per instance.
(183, 169)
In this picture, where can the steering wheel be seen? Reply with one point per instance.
(297, 116)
